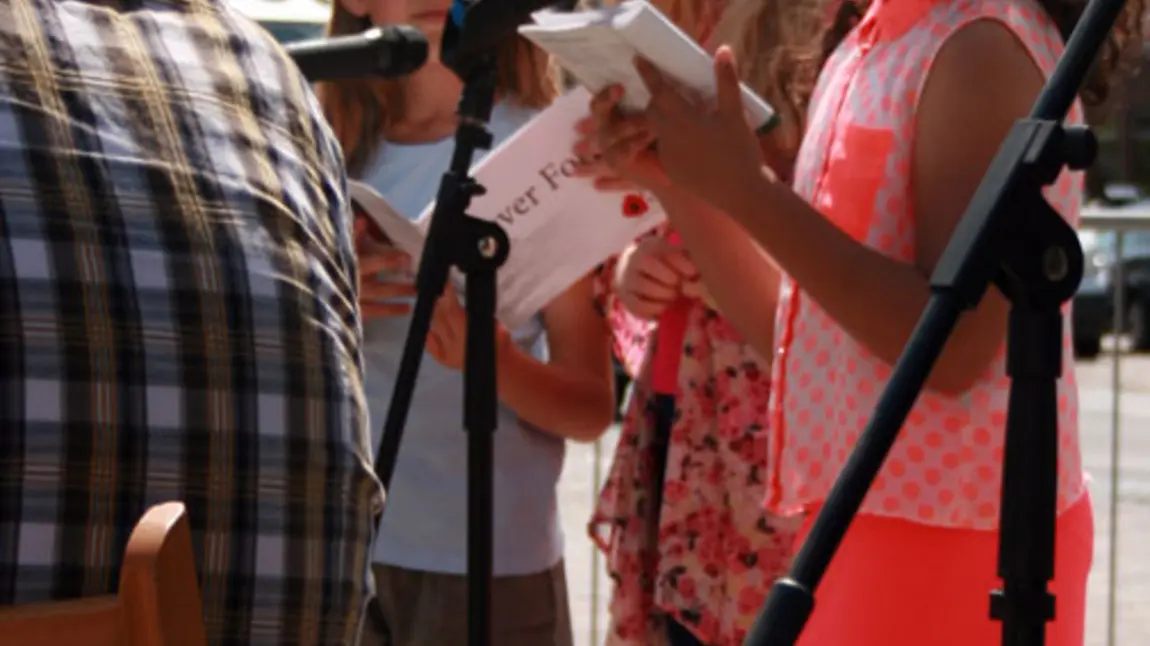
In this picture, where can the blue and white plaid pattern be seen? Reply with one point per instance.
(178, 317)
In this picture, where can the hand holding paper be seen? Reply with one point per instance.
(598, 47)
(708, 151)
(594, 166)
(384, 274)
(559, 225)
(447, 336)
(652, 274)
(623, 144)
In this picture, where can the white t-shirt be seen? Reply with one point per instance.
(425, 524)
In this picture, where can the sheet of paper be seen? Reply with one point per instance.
(402, 233)
(532, 174)
(553, 18)
(559, 225)
(597, 56)
(554, 257)
(598, 46)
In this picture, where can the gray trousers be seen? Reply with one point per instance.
(430, 609)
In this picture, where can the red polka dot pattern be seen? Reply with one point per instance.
(855, 167)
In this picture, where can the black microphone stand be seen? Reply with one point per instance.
(478, 248)
(1011, 237)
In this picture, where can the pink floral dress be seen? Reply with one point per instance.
(715, 552)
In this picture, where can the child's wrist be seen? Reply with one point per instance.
(505, 348)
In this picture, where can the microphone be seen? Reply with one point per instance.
(383, 52)
(475, 27)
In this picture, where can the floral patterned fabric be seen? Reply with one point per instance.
(714, 553)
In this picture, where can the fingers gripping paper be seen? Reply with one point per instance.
(559, 225)
(598, 46)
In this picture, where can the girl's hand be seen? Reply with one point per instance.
(592, 165)
(447, 336)
(709, 151)
(380, 266)
(617, 147)
(650, 276)
(697, 290)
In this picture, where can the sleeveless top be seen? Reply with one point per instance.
(946, 467)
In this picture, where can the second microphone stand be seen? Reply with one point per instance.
(478, 248)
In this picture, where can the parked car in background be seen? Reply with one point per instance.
(1094, 302)
(1093, 312)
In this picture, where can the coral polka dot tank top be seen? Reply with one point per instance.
(946, 467)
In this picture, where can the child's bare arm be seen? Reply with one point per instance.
(572, 395)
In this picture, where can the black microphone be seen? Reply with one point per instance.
(382, 52)
(475, 27)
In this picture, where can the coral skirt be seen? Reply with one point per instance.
(898, 583)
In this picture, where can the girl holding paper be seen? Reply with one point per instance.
(901, 135)
(397, 137)
(690, 549)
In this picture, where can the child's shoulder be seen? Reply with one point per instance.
(1015, 13)
(904, 16)
(918, 29)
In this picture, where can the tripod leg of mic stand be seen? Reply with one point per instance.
(434, 278)
(1030, 477)
(483, 249)
(1039, 275)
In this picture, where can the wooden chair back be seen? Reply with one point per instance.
(157, 604)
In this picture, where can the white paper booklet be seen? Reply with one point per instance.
(559, 225)
(598, 48)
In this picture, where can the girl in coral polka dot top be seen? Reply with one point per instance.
(907, 114)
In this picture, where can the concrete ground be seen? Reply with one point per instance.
(1131, 626)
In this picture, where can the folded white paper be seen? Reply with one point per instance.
(560, 226)
(598, 47)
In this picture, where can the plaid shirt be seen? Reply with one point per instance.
(178, 317)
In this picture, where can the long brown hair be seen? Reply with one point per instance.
(1119, 54)
(777, 47)
(360, 111)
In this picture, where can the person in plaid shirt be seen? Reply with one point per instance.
(178, 317)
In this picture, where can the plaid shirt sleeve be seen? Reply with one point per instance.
(178, 317)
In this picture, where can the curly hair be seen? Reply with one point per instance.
(777, 47)
(1119, 56)
(776, 44)
(360, 110)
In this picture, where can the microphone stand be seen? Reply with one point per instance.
(1011, 237)
(478, 248)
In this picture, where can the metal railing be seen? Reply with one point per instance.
(597, 479)
(1120, 221)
